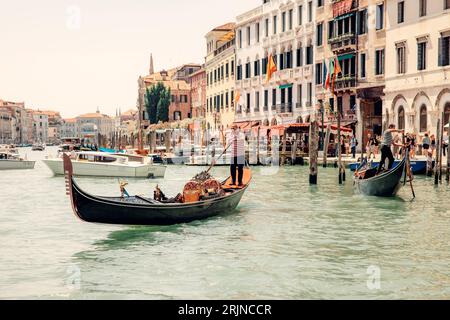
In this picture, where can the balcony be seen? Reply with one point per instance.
(307, 71)
(256, 81)
(345, 82)
(298, 105)
(298, 72)
(274, 107)
(284, 108)
(309, 28)
(266, 42)
(285, 74)
(343, 43)
(246, 83)
(288, 35)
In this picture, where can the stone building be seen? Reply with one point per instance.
(353, 31)
(197, 81)
(40, 126)
(220, 77)
(285, 30)
(418, 65)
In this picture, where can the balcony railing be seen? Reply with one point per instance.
(343, 42)
(345, 82)
(274, 107)
(284, 108)
(298, 105)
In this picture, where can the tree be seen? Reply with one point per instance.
(163, 105)
(152, 100)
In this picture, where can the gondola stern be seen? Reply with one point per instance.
(68, 175)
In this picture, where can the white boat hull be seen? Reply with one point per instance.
(16, 164)
(81, 168)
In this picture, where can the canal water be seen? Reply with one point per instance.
(286, 240)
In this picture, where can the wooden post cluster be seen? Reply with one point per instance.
(313, 151)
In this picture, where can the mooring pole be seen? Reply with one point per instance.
(448, 152)
(438, 145)
(313, 152)
(341, 177)
(326, 144)
(441, 147)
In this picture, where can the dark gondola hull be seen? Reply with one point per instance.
(114, 211)
(143, 211)
(384, 185)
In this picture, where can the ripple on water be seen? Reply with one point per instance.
(286, 240)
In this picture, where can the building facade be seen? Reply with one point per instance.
(353, 31)
(69, 129)
(197, 81)
(220, 77)
(18, 115)
(5, 125)
(284, 30)
(40, 127)
(95, 128)
(418, 65)
(180, 106)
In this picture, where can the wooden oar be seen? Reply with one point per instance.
(214, 160)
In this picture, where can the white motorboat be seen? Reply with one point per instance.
(10, 160)
(38, 147)
(100, 164)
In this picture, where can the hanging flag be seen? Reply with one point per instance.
(237, 97)
(330, 74)
(271, 68)
(325, 73)
(336, 71)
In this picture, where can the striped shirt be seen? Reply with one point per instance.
(237, 141)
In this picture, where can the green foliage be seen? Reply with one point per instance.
(157, 102)
(163, 106)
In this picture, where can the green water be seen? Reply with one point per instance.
(286, 240)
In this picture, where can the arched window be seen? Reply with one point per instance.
(401, 118)
(299, 120)
(423, 118)
(274, 122)
(266, 122)
(446, 113)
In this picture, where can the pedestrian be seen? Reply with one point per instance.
(370, 147)
(386, 152)
(445, 143)
(426, 142)
(433, 144)
(354, 144)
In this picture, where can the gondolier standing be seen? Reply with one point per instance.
(236, 141)
(386, 152)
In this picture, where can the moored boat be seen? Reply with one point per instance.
(38, 147)
(138, 210)
(386, 184)
(99, 164)
(12, 161)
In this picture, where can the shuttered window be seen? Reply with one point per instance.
(421, 56)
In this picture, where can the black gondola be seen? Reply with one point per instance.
(383, 185)
(139, 210)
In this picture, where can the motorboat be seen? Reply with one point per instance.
(10, 160)
(100, 164)
(38, 147)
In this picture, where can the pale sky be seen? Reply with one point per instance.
(51, 59)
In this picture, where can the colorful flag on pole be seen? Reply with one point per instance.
(330, 74)
(336, 71)
(237, 97)
(271, 68)
(325, 73)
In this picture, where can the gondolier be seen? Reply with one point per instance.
(236, 140)
(386, 152)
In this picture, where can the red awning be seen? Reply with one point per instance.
(246, 125)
